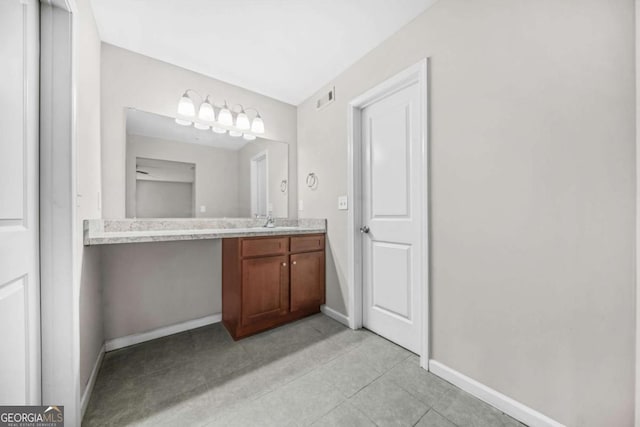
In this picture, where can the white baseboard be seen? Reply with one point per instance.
(494, 398)
(86, 394)
(116, 343)
(338, 317)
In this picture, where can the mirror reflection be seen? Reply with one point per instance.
(175, 171)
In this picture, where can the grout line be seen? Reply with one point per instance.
(432, 409)
(367, 385)
(359, 410)
(315, 420)
(445, 417)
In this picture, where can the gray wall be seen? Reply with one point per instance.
(151, 285)
(214, 166)
(637, 388)
(164, 199)
(133, 80)
(532, 195)
(88, 185)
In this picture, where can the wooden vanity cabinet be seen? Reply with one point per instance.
(307, 280)
(264, 289)
(269, 281)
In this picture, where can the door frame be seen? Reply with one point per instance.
(415, 73)
(253, 170)
(59, 275)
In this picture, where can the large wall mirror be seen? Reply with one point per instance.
(175, 171)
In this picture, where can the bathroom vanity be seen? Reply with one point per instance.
(270, 275)
(269, 281)
(189, 186)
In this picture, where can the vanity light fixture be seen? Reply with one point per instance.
(206, 112)
(185, 105)
(186, 109)
(183, 122)
(206, 117)
(224, 116)
(257, 126)
(242, 120)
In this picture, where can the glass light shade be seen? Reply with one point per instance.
(206, 113)
(249, 137)
(257, 126)
(183, 122)
(218, 130)
(225, 117)
(186, 107)
(201, 126)
(235, 133)
(242, 121)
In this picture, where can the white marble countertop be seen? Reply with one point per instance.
(119, 231)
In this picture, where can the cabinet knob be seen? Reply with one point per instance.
(294, 263)
(284, 264)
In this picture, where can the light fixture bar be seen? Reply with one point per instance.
(206, 117)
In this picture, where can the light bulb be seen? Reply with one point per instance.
(242, 121)
(186, 107)
(200, 125)
(206, 113)
(218, 130)
(249, 137)
(183, 122)
(225, 117)
(235, 133)
(257, 126)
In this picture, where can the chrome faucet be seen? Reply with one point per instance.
(270, 222)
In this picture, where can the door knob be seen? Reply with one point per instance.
(364, 229)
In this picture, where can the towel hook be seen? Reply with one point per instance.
(312, 180)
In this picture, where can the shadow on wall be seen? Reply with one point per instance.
(91, 315)
(335, 302)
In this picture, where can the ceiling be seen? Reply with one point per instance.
(162, 127)
(285, 49)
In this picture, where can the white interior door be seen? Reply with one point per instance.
(259, 185)
(393, 191)
(19, 278)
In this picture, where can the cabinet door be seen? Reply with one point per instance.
(307, 280)
(265, 289)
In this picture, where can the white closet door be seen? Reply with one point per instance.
(19, 278)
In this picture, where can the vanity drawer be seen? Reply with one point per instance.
(307, 243)
(261, 247)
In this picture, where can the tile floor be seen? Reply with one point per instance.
(311, 372)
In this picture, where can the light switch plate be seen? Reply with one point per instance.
(300, 205)
(342, 203)
(203, 209)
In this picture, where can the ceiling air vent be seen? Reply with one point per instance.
(326, 99)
